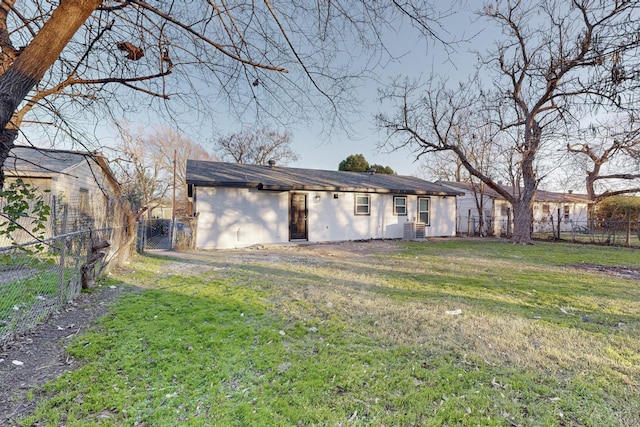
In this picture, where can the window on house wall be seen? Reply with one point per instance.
(566, 212)
(423, 210)
(363, 205)
(400, 205)
(84, 203)
(504, 210)
(546, 210)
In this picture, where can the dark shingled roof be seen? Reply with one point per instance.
(277, 178)
(25, 160)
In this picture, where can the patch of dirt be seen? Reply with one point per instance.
(38, 356)
(611, 270)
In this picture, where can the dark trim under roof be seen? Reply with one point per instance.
(276, 178)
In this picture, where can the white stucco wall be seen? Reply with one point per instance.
(237, 217)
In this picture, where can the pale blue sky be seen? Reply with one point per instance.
(317, 151)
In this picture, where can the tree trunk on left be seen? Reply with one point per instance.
(29, 67)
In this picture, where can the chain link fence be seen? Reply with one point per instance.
(40, 277)
(165, 234)
(602, 232)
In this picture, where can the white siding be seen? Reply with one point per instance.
(231, 217)
(237, 217)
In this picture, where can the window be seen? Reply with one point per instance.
(400, 205)
(423, 210)
(546, 210)
(84, 202)
(362, 205)
(566, 212)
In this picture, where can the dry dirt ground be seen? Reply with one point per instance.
(38, 356)
(34, 358)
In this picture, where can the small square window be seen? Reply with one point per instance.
(363, 204)
(400, 205)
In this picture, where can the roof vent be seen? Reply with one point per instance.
(272, 163)
(371, 170)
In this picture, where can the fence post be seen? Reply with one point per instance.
(142, 231)
(63, 249)
(628, 227)
(194, 230)
(172, 233)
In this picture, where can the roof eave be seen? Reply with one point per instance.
(328, 188)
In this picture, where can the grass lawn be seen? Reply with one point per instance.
(452, 332)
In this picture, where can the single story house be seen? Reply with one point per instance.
(81, 181)
(548, 206)
(240, 205)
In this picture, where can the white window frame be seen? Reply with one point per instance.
(396, 206)
(358, 205)
(427, 211)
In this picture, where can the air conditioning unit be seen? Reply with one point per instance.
(413, 231)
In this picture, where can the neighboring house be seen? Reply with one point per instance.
(78, 183)
(498, 219)
(239, 205)
(161, 211)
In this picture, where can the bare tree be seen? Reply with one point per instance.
(609, 156)
(256, 147)
(151, 163)
(96, 59)
(443, 166)
(556, 62)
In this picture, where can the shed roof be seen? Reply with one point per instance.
(278, 178)
(541, 195)
(27, 161)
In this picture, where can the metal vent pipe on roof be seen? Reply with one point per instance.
(272, 163)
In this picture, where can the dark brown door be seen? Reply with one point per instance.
(298, 216)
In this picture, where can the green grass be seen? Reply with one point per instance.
(308, 337)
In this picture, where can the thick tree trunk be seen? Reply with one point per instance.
(522, 223)
(523, 204)
(7, 137)
(34, 61)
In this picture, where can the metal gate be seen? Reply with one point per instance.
(154, 234)
(165, 234)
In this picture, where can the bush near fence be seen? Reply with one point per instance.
(35, 283)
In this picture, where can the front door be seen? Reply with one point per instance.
(298, 217)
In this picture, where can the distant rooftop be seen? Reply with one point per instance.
(541, 195)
